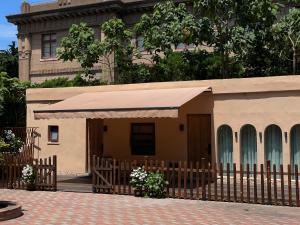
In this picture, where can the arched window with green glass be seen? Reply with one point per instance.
(295, 145)
(273, 145)
(248, 145)
(225, 144)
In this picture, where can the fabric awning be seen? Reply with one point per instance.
(154, 103)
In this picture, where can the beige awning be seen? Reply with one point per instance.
(155, 103)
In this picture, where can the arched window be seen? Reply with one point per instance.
(225, 142)
(273, 145)
(248, 145)
(295, 145)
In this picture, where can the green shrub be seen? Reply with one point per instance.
(155, 185)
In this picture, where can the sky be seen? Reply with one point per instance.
(8, 31)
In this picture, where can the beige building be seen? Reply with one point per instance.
(42, 26)
(248, 120)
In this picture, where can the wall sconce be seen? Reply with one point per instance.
(260, 137)
(105, 128)
(286, 137)
(236, 136)
(181, 127)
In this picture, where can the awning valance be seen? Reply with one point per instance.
(154, 103)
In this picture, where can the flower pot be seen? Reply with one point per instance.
(139, 193)
(30, 187)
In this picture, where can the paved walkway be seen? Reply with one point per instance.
(86, 208)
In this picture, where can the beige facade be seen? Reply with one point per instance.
(56, 17)
(236, 102)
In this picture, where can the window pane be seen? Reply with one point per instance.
(249, 145)
(140, 43)
(53, 133)
(53, 50)
(181, 46)
(53, 37)
(273, 145)
(143, 139)
(46, 37)
(225, 144)
(295, 145)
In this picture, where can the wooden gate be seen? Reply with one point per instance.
(102, 172)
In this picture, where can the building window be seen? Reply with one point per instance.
(143, 139)
(248, 145)
(182, 46)
(140, 43)
(225, 145)
(273, 145)
(295, 145)
(49, 46)
(53, 134)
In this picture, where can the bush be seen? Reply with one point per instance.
(10, 143)
(138, 179)
(155, 185)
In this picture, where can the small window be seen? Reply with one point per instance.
(143, 139)
(140, 43)
(49, 46)
(53, 134)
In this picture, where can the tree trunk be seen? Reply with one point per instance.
(294, 62)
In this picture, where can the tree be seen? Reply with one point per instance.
(12, 101)
(287, 35)
(9, 60)
(82, 45)
(170, 25)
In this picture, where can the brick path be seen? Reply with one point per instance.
(87, 208)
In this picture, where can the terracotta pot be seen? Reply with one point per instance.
(30, 187)
(139, 193)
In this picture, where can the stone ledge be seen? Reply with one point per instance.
(11, 211)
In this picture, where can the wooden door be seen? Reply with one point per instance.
(199, 137)
(94, 140)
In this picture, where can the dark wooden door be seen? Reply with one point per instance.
(199, 137)
(94, 140)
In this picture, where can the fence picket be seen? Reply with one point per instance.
(275, 184)
(255, 182)
(228, 181)
(203, 186)
(179, 180)
(191, 180)
(297, 185)
(215, 182)
(221, 182)
(290, 186)
(269, 191)
(241, 183)
(262, 184)
(234, 183)
(197, 180)
(209, 181)
(185, 180)
(282, 185)
(248, 183)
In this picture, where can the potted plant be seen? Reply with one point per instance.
(29, 177)
(137, 180)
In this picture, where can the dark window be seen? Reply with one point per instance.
(143, 139)
(49, 46)
(140, 43)
(53, 133)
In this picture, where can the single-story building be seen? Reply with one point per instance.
(249, 120)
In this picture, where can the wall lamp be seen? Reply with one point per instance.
(181, 127)
(105, 128)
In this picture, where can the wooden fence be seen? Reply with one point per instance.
(263, 184)
(46, 170)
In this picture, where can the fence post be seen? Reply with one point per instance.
(93, 174)
(55, 172)
(269, 182)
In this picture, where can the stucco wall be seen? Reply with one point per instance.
(171, 143)
(237, 102)
(259, 110)
(71, 148)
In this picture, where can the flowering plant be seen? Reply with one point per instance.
(10, 143)
(138, 178)
(28, 175)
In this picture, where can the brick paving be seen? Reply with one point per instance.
(86, 208)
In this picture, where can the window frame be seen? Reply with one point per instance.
(50, 42)
(153, 138)
(137, 41)
(50, 140)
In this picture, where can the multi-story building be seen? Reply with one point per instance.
(42, 26)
